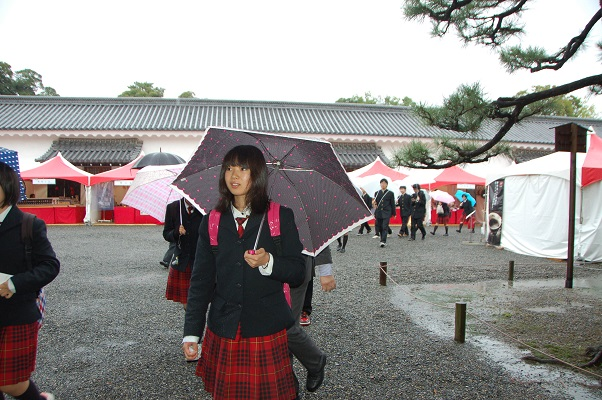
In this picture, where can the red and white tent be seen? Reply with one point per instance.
(123, 173)
(57, 168)
(453, 176)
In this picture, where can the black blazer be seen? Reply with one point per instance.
(238, 293)
(404, 201)
(171, 231)
(418, 205)
(385, 204)
(21, 308)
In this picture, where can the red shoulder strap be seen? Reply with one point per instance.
(274, 219)
(214, 217)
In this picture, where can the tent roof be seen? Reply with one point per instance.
(57, 168)
(455, 175)
(380, 168)
(592, 165)
(122, 173)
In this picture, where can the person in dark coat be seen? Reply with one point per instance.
(368, 200)
(467, 214)
(418, 212)
(244, 349)
(20, 285)
(384, 205)
(404, 202)
(181, 227)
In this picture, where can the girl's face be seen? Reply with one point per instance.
(238, 180)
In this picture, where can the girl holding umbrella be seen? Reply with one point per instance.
(244, 350)
(443, 213)
(468, 212)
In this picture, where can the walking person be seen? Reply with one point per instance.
(467, 214)
(384, 204)
(443, 213)
(24, 271)
(181, 227)
(244, 350)
(368, 200)
(404, 202)
(299, 342)
(342, 242)
(418, 212)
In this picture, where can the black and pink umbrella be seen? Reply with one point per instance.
(304, 175)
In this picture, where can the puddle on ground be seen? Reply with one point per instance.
(437, 316)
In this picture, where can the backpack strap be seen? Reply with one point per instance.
(274, 224)
(27, 238)
(214, 217)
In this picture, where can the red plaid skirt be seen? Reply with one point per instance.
(246, 368)
(178, 283)
(442, 219)
(18, 348)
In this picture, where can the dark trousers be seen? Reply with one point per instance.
(382, 228)
(365, 225)
(417, 224)
(404, 225)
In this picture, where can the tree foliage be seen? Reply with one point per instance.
(369, 99)
(560, 106)
(143, 89)
(187, 95)
(25, 82)
(491, 23)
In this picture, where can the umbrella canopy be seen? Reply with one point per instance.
(11, 158)
(58, 168)
(124, 173)
(469, 197)
(151, 190)
(304, 175)
(443, 197)
(158, 158)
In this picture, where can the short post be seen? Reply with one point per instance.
(460, 333)
(383, 273)
(510, 271)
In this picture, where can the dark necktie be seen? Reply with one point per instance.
(241, 229)
(190, 208)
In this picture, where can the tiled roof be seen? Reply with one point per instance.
(524, 155)
(94, 151)
(159, 114)
(356, 155)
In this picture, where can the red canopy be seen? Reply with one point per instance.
(122, 173)
(57, 168)
(455, 175)
(380, 168)
(591, 172)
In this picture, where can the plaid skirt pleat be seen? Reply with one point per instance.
(178, 283)
(246, 368)
(18, 349)
(442, 219)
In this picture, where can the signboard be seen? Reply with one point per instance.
(465, 186)
(123, 183)
(44, 181)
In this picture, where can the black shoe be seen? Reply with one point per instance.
(314, 381)
(164, 264)
(369, 232)
(410, 239)
(458, 231)
(432, 233)
(472, 231)
(342, 250)
(423, 236)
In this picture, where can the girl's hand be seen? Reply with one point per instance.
(260, 258)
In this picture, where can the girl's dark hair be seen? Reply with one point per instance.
(9, 181)
(247, 157)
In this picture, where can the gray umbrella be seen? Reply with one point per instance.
(158, 158)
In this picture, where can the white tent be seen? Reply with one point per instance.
(535, 216)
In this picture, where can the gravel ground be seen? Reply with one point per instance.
(110, 334)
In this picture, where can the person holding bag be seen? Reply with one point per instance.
(443, 214)
(20, 286)
(182, 222)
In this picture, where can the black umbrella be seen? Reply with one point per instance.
(158, 158)
(304, 175)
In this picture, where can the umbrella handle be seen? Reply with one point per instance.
(258, 234)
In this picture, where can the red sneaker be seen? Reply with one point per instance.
(304, 321)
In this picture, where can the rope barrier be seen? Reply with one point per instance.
(489, 325)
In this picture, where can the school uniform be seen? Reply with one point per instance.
(385, 209)
(19, 315)
(404, 202)
(249, 314)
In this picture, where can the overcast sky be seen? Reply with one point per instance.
(280, 50)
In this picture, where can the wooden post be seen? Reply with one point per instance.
(510, 271)
(460, 333)
(383, 273)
